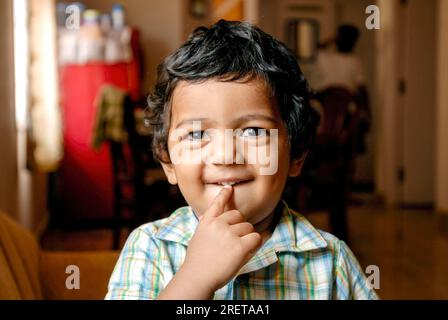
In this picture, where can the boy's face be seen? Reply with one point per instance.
(217, 123)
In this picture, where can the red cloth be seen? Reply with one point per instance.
(84, 182)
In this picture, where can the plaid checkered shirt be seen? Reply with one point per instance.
(296, 262)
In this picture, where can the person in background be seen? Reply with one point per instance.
(343, 68)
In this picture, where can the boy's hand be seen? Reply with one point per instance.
(222, 244)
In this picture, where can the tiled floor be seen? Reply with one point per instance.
(408, 246)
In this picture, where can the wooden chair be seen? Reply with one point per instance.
(328, 169)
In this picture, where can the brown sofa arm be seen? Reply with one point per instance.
(95, 269)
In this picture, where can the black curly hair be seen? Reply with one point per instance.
(235, 51)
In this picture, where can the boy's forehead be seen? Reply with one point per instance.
(214, 86)
(221, 98)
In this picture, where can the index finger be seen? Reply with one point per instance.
(218, 204)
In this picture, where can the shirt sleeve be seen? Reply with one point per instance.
(137, 274)
(350, 281)
(358, 72)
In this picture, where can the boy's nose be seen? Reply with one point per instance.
(224, 149)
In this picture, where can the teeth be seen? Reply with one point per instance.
(228, 183)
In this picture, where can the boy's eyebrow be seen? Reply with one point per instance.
(255, 116)
(242, 119)
(191, 120)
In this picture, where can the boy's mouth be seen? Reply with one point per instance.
(229, 182)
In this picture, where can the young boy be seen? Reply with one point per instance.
(233, 121)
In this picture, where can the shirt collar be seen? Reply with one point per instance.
(293, 232)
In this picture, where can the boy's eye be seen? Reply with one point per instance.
(196, 135)
(254, 132)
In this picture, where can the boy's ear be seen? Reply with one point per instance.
(169, 172)
(297, 164)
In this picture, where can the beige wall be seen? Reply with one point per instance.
(387, 70)
(442, 109)
(190, 23)
(405, 49)
(419, 120)
(8, 159)
(274, 14)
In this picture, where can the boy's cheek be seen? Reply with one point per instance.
(186, 154)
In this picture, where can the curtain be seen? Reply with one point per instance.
(45, 114)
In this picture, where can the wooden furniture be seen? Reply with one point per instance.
(328, 169)
(27, 272)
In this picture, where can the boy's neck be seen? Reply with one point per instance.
(266, 226)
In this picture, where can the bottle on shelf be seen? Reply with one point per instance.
(91, 41)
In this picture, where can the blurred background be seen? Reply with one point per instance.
(77, 173)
